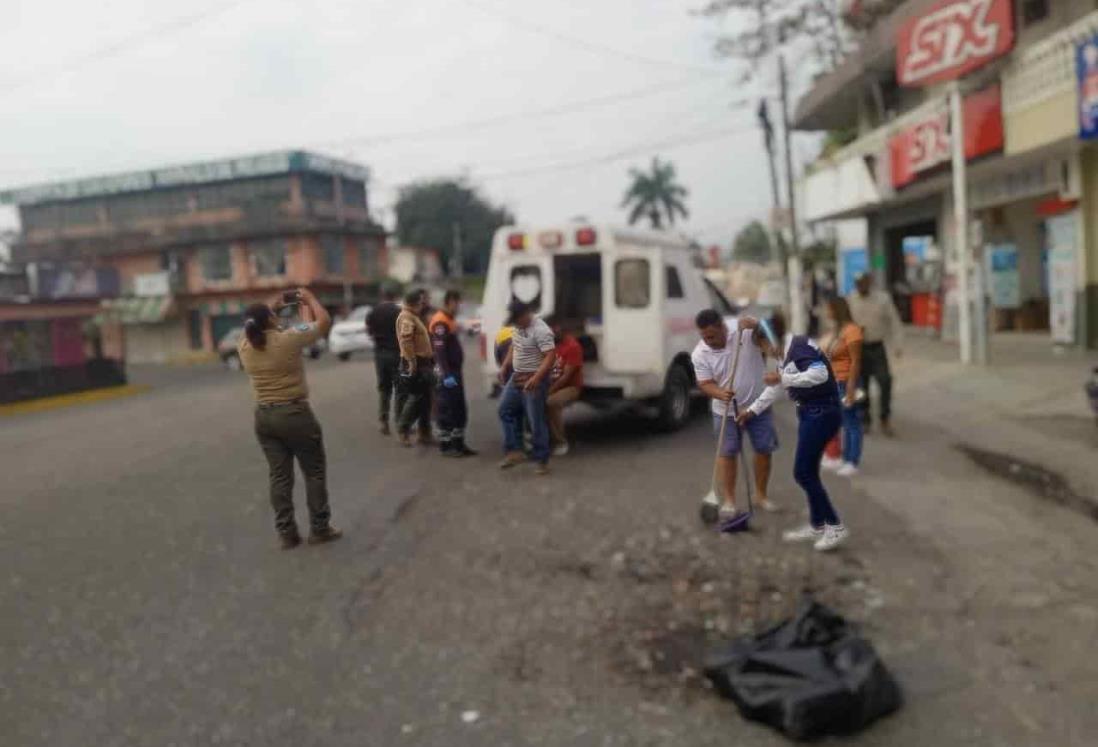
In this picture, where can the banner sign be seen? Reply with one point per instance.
(854, 261)
(952, 39)
(1086, 67)
(1061, 277)
(927, 143)
(1002, 269)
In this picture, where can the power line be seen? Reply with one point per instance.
(523, 116)
(583, 44)
(632, 151)
(121, 45)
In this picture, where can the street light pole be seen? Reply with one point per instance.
(798, 322)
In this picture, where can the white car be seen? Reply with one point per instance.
(630, 295)
(349, 335)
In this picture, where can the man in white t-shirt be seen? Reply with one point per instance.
(713, 359)
(525, 374)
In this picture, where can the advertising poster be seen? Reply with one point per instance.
(1002, 270)
(1061, 277)
(1086, 66)
(855, 261)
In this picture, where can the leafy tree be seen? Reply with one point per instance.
(752, 244)
(428, 211)
(655, 195)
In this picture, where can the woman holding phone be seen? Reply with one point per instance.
(845, 354)
(284, 422)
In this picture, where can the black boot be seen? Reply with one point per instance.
(462, 450)
(446, 448)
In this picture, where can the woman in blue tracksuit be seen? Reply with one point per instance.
(808, 379)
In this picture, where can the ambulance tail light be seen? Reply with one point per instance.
(516, 242)
(586, 237)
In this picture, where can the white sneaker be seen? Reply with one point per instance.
(832, 538)
(831, 464)
(807, 533)
(847, 470)
(561, 449)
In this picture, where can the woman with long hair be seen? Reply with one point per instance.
(284, 422)
(845, 355)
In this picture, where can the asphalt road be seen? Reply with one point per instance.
(145, 603)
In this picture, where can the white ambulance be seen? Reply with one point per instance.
(631, 295)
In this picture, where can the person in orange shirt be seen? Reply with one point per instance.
(845, 355)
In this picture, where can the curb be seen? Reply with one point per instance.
(91, 396)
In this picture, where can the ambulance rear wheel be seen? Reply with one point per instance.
(675, 401)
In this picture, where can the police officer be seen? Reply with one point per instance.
(416, 371)
(284, 422)
(453, 414)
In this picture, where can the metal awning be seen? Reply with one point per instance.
(145, 310)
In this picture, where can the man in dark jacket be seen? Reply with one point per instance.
(453, 414)
(381, 326)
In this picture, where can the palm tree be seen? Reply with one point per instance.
(655, 195)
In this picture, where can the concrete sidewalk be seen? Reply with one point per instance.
(1028, 403)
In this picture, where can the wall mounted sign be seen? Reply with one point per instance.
(952, 39)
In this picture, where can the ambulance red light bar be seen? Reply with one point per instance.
(516, 242)
(586, 237)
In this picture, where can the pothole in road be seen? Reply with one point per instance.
(1043, 483)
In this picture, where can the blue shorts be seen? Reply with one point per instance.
(760, 429)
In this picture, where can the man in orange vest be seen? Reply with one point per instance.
(453, 415)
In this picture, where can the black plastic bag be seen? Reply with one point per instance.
(809, 677)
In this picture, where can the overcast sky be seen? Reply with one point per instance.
(403, 87)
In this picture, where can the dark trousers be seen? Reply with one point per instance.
(875, 366)
(387, 366)
(417, 391)
(288, 432)
(453, 413)
(817, 424)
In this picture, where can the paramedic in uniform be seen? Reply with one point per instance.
(452, 413)
(284, 422)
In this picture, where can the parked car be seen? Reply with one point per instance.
(470, 322)
(227, 345)
(349, 335)
(630, 295)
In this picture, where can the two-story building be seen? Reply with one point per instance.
(193, 245)
(1027, 72)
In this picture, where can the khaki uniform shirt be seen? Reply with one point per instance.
(412, 337)
(278, 370)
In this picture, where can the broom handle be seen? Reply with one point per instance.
(727, 407)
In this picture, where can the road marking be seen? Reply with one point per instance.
(44, 404)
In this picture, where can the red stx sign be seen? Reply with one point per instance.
(953, 38)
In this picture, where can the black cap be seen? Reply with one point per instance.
(515, 309)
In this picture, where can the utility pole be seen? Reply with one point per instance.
(797, 322)
(775, 195)
(960, 221)
(459, 258)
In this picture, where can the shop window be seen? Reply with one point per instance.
(369, 257)
(354, 194)
(1034, 11)
(332, 248)
(216, 262)
(632, 281)
(674, 283)
(269, 257)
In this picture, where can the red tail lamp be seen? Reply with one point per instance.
(586, 236)
(516, 242)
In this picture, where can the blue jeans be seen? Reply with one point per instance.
(514, 404)
(852, 430)
(817, 424)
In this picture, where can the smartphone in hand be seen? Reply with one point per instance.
(290, 297)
